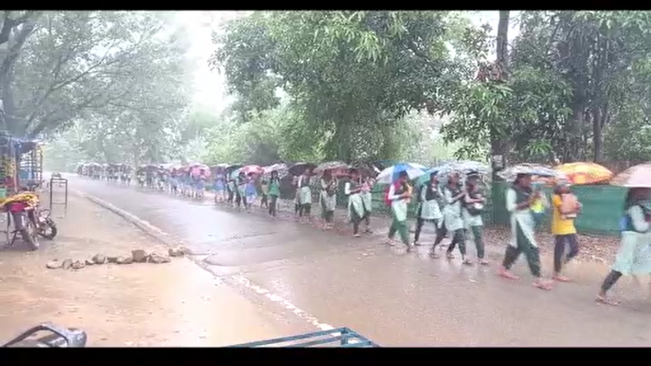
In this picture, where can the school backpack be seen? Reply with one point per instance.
(387, 201)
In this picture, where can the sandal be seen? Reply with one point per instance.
(483, 262)
(467, 262)
(449, 256)
(606, 300)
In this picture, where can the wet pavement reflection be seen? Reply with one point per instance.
(394, 298)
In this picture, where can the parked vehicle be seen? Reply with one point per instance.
(77, 338)
(28, 220)
(54, 337)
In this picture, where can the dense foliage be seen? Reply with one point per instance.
(116, 77)
(574, 84)
(337, 85)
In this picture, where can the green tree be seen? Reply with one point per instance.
(352, 76)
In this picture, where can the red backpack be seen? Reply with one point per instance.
(387, 201)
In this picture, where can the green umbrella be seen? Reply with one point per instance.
(426, 177)
(235, 173)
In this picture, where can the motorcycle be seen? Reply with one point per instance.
(29, 221)
(58, 337)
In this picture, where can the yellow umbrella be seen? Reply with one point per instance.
(585, 173)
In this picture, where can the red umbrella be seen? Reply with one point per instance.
(255, 169)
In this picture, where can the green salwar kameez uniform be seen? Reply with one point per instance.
(523, 238)
(328, 200)
(399, 214)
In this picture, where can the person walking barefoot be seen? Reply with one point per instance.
(565, 209)
(519, 199)
(633, 255)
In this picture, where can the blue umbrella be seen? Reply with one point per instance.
(391, 174)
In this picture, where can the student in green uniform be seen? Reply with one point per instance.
(473, 207)
(519, 199)
(305, 195)
(453, 194)
(356, 206)
(428, 206)
(367, 197)
(399, 194)
(274, 192)
(633, 256)
(328, 198)
(241, 190)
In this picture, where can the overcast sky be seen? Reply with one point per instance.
(210, 92)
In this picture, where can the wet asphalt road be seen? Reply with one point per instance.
(314, 279)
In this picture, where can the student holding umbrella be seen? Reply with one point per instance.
(274, 192)
(633, 256)
(520, 198)
(428, 208)
(304, 194)
(453, 195)
(241, 183)
(328, 198)
(356, 207)
(399, 195)
(367, 198)
(473, 206)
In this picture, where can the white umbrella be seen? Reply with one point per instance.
(390, 174)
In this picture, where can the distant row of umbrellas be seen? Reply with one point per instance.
(578, 173)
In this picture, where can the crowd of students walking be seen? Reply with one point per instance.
(453, 207)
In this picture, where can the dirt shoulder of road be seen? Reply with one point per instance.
(138, 304)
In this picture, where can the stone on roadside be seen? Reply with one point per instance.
(89, 262)
(55, 264)
(158, 258)
(176, 252)
(139, 256)
(99, 259)
(124, 260)
(67, 264)
(78, 265)
(112, 259)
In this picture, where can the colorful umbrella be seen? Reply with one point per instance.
(280, 168)
(535, 170)
(585, 173)
(275, 167)
(235, 173)
(299, 168)
(464, 167)
(252, 169)
(390, 174)
(199, 170)
(232, 168)
(330, 165)
(426, 177)
(637, 176)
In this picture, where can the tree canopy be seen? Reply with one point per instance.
(336, 85)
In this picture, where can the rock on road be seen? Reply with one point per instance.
(321, 279)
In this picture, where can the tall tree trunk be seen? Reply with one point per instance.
(499, 145)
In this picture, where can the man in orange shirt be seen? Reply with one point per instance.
(565, 207)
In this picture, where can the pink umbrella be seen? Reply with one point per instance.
(199, 170)
(255, 169)
(638, 176)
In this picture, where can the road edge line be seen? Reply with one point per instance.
(165, 238)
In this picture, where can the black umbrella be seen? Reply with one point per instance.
(232, 168)
(299, 168)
